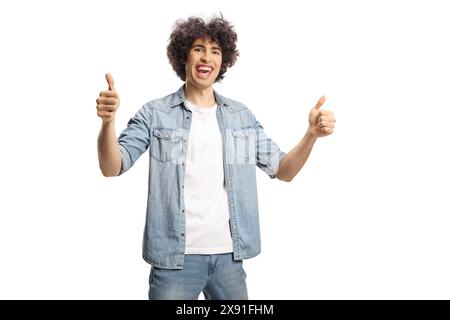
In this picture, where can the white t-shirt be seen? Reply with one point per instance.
(206, 199)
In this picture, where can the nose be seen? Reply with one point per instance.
(206, 57)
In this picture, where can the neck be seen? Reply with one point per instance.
(202, 97)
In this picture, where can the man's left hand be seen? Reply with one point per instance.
(321, 122)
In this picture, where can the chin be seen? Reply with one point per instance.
(204, 84)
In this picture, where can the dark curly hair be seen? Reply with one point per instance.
(184, 34)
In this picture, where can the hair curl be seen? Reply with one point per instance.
(184, 34)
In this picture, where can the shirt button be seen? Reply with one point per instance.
(234, 226)
(231, 204)
(182, 234)
(229, 181)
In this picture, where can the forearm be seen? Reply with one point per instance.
(296, 158)
(108, 150)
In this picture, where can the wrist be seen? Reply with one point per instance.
(107, 123)
(311, 135)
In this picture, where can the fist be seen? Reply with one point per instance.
(108, 101)
(321, 122)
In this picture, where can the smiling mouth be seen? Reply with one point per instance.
(203, 72)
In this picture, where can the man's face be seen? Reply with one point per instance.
(203, 63)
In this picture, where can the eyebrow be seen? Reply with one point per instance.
(200, 45)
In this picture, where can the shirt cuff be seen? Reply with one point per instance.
(125, 159)
(274, 163)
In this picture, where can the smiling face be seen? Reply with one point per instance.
(203, 63)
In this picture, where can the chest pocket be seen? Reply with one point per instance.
(244, 145)
(166, 144)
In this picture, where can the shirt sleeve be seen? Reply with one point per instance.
(268, 154)
(135, 138)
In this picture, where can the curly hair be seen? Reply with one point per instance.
(184, 34)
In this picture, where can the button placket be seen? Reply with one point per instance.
(228, 185)
(184, 139)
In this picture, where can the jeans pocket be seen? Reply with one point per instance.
(150, 278)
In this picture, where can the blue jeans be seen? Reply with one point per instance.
(217, 275)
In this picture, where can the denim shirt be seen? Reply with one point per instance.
(162, 126)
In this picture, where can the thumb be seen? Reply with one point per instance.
(110, 81)
(320, 102)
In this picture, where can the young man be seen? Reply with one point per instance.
(202, 209)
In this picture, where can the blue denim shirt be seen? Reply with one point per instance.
(162, 126)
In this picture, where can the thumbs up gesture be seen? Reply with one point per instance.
(321, 122)
(108, 101)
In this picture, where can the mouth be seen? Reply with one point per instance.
(203, 71)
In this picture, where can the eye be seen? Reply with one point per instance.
(196, 49)
(216, 52)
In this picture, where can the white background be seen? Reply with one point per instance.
(366, 218)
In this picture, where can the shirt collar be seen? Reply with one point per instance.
(179, 98)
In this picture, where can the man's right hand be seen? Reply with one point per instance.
(108, 101)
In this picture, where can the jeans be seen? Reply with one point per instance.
(217, 275)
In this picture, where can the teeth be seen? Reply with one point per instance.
(204, 68)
